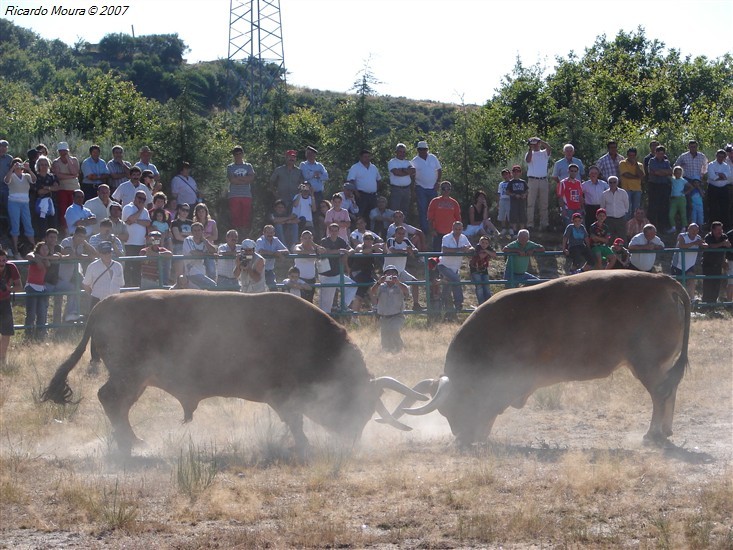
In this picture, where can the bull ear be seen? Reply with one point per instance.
(438, 399)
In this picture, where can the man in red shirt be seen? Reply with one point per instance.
(570, 193)
(443, 211)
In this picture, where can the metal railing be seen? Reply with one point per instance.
(509, 281)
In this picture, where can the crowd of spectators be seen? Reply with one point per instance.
(96, 211)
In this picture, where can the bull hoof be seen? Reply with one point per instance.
(655, 439)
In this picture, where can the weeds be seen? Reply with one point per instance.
(118, 512)
(549, 398)
(196, 469)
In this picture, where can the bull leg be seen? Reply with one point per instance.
(294, 422)
(117, 397)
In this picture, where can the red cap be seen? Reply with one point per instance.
(619, 242)
(600, 211)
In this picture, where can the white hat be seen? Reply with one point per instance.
(422, 144)
(247, 244)
(62, 146)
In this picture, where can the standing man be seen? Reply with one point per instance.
(104, 276)
(517, 189)
(119, 169)
(6, 161)
(632, 174)
(270, 248)
(455, 242)
(125, 193)
(144, 163)
(443, 211)
(314, 173)
(428, 174)
(137, 219)
(286, 180)
(712, 262)
(659, 173)
(561, 169)
(615, 201)
(401, 173)
(99, 206)
(570, 194)
(608, 163)
(66, 169)
(693, 162)
(389, 294)
(536, 159)
(720, 186)
(241, 175)
(365, 176)
(593, 189)
(183, 187)
(94, 171)
(78, 216)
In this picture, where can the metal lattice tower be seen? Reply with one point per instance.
(256, 40)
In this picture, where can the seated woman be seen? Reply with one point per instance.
(479, 223)
(576, 245)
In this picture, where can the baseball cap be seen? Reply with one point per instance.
(390, 268)
(247, 244)
(62, 146)
(619, 242)
(105, 247)
(576, 215)
(4, 142)
(422, 144)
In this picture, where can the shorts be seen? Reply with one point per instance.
(504, 207)
(6, 318)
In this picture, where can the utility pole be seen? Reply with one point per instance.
(256, 43)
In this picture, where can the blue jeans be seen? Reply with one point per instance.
(483, 290)
(20, 212)
(72, 300)
(424, 196)
(451, 276)
(519, 277)
(36, 312)
(634, 202)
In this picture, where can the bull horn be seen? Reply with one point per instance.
(423, 387)
(438, 399)
(387, 418)
(389, 383)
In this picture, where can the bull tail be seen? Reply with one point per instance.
(674, 375)
(58, 389)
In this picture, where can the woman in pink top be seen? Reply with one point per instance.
(340, 216)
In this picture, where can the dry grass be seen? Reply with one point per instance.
(567, 471)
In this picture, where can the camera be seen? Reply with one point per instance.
(244, 258)
(389, 277)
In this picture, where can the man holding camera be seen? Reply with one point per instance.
(389, 293)
(536, 159)
(249, 268)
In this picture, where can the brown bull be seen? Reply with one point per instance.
(574, 328)
(271, 348)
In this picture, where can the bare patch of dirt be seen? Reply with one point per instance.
(567, 470)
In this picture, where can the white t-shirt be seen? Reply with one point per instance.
(399, 181)
(426, 171)
(449, 241)
(644, 260)
(303, 208)
(537, 167)
(400, 262)
(194, 266)
(136, 232)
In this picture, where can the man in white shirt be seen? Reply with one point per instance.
(615, 201)
(646, 240)
(536, 158)
(314, 173)
(103, 277)
(428, 175)
(136, 218)
(449, 266)
(365, 176)
(99, 206)
(401, 172)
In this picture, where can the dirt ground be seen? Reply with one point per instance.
(569, 470)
